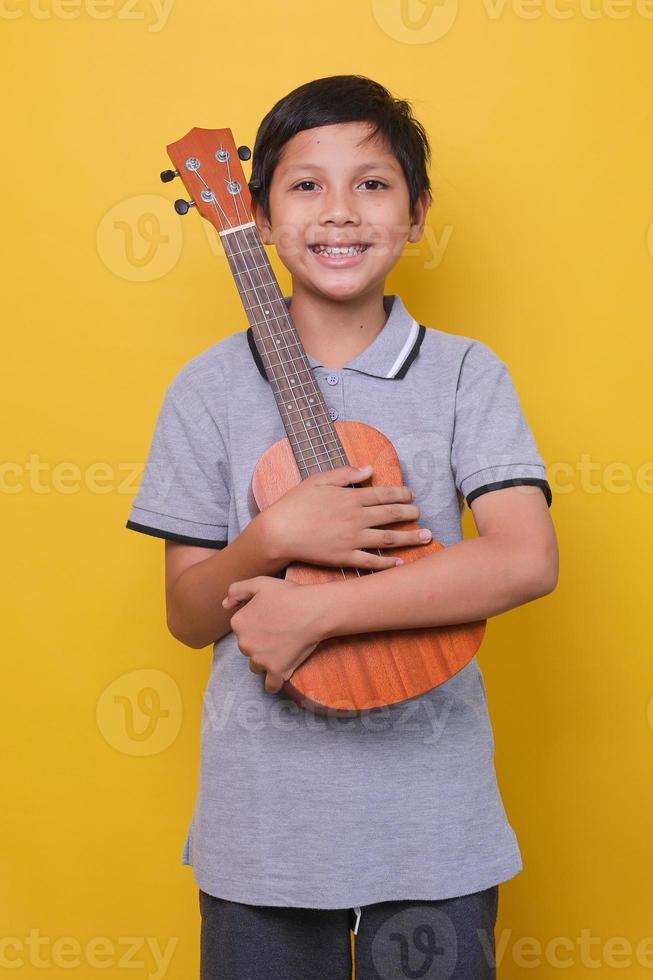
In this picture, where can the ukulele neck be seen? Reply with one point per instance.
(304, 413)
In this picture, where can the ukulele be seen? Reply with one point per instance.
(349, 675)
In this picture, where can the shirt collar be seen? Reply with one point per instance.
(389, 355)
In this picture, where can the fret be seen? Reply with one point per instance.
(317, 458)
(252, 269)
(250, 248)
(300, 358)
(295, 345)
(309, 408)
(313, 430)
(261, 305)
(324, 455)
(252, 251)
(286, 391)
(314, 414)
(311, 438)
(324, 418)
(287, 347)
(249, 269)
(304, 388)
(252, 289)
(258, 326)
(327, 450)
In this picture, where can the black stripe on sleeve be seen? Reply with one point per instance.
(531, 481)
(173, 536)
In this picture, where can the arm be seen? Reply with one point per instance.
(513, 560)
(197, 579)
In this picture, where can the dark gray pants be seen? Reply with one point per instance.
(445, 939)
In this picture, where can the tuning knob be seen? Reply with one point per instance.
(168, 175)
(244, 152)
(181, 206)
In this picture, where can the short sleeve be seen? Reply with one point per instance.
(185, 493)
(492, 445)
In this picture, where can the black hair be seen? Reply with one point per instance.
(341, 99)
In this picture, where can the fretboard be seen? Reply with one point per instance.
(304, 413)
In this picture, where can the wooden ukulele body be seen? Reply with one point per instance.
(359, 673)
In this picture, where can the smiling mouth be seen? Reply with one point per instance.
(339, 250)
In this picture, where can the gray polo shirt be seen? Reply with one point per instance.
(294, 809)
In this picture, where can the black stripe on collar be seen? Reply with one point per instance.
(412, 354)
(255, 354)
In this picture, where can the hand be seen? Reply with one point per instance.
(277, 628)
(324, 521)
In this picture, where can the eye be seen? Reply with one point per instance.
(373, 181)
(302, 185)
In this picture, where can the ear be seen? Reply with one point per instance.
(418, 217)
(262, 223)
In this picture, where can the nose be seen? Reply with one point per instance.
(338, 208)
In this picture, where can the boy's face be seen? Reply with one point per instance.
(331, 189)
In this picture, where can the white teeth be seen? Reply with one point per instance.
(338, 250)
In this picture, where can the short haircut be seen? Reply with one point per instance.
(342, 99)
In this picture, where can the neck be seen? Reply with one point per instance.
(336, 331)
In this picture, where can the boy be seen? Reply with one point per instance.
(397, 815)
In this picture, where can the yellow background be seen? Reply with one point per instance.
(540, 243)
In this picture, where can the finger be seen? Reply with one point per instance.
(229, 601)
(383, 495)
(241, 585)
(273, 683)
(365, 559)
(391, 512)
(376, 538)
(342, 475)
(237, 595)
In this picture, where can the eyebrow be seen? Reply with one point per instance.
(367, 165)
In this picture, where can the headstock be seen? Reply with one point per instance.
(208, 163)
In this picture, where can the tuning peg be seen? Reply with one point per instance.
(244, 152)
(181, 206)
(168, 175)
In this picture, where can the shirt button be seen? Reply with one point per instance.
(332, 379)
(333, 414)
